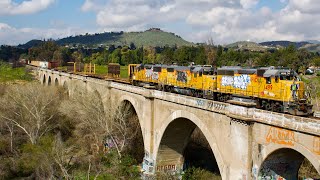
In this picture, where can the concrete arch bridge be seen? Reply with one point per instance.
(246, 143)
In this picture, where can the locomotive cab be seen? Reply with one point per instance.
(296, 102)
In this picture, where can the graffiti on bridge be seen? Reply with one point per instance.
(280, 136)
(167, 168)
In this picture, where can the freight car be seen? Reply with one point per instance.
(44, 64)
(269, 88)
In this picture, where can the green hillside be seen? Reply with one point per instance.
(247, 45)
(153, 37)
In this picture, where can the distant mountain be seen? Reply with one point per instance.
(152, 37)
(30, 44)
(283, 43)
(247, 45)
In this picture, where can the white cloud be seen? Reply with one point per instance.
(305, 6)
(296, 22)
(195, 20)
(248, 3)
(9, 7)
(13, 36)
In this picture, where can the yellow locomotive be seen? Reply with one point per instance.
(269, 88)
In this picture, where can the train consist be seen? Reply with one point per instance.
(269, 88)
(274, 89)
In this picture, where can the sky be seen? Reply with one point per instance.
(223, 21)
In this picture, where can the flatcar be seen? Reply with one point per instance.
(269, 88)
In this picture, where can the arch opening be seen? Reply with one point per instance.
(49, 81)
(287, 164)
(134, 140)
(44, 79)
(56, 82)
(184, 147)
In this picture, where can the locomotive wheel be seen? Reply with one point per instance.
(220, 98)
(268, 106)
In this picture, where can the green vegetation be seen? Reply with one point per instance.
(8, 73)
(312, 82)
(153, 38)
(247, 45)
(103, 70)
(124, 71)
(198, 173)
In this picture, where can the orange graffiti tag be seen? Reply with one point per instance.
(280, 136)
(316, 145)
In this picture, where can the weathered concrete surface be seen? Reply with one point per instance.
(242, 139)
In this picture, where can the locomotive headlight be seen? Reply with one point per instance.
(133, 77)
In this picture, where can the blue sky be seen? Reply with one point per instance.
(194, 20)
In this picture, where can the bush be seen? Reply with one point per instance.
(197, 173)
(167, 176)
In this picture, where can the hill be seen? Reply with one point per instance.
(152, 37)
(277, 44)
(313, 41)
(312, 47)
(247, 45)
(30, 44)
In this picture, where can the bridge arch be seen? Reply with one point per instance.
(176, 131)
(135, 146)
(134, 104)
(285, 162)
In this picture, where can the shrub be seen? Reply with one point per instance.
(198, 173)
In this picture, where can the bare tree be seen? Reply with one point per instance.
(30, 107)
(101, 122)
(211, 52)
(63, 156)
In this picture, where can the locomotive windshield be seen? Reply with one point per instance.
(208, 72)
(289, 75)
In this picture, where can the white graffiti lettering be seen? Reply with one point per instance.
(240, 82)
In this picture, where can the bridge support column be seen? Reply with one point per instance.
(238, 157)
(148, 163)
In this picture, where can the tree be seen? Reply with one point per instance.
(31, 108)
(149, 55)
(62, 55)
(125, 55)
(316, 61)
(115, 56)
(101, 123)
(63, 156)
(77, 56)
(44, 51)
